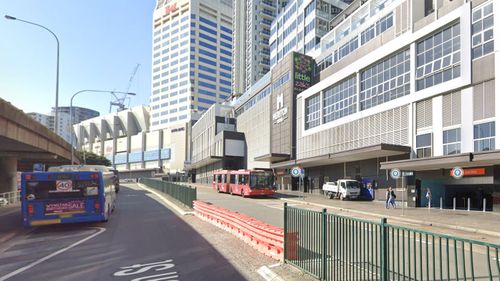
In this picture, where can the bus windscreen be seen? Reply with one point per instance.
(260, 180)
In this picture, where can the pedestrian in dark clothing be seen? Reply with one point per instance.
(390, 198)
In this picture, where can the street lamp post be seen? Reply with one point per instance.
(71, 111)
(57, 66)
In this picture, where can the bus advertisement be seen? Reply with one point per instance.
(59, 197)
(246, 183)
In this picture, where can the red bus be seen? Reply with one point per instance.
(244, 182)
(221, 181)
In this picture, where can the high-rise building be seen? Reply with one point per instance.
(79, 114)
(251, 53)
(48, 120)
(192, 59)
(301, 24)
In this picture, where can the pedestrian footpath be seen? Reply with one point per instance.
(474, 221)
(434, 219)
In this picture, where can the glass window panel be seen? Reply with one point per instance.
(477, 52)
(476, 39)
(488, 48)
(488, 22)
(488, 9)
(476, 15)
(424, 140)
(477, 27)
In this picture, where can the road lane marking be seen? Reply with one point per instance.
(159, 277)
(11, 211)
(268, 274)
(129, 270)
(274, 265)
(154, 266)
(24, 268)
(163, 200)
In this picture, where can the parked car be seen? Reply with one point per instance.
(342, 189)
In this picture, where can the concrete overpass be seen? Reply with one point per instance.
(24, 142)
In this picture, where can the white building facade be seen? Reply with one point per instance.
(407, 85)
(192, 59)
(48, 120)
(125, 139)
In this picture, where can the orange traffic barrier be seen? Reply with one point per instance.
(265, 238)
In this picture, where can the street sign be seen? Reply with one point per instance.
(296, 172)
(407, 173)
(457, 172)
(395, 174)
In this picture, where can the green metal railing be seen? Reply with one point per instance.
(335, 247)
(184, 194)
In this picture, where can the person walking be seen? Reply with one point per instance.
(390, 198)
(428, 195)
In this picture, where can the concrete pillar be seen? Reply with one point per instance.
(8, 172)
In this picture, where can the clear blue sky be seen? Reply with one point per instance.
(101, 41)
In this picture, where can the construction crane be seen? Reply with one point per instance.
(120, 102)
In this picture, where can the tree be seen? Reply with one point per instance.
(91, 158)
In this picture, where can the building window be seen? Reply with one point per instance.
(484, 137)
(339, 100)
(424, 145)
(451, 142)
(482, 30)
(385, 81)
(313, 111)
(438, 58)
(346, 49)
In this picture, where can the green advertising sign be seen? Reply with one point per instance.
(302, 75)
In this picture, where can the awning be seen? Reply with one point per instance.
(369, 152)
(205, 162)
(272, 157)
(489, 158)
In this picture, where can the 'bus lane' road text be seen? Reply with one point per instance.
(142, 269)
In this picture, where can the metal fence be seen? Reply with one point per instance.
(184, 194)
(334, 247)
(9, 198)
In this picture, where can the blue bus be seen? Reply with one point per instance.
(67, 194)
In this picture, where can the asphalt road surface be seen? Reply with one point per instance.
(142, 241)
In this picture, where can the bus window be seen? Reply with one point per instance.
(244, 179)
(219, 178)
(232, 179)
(215, 178)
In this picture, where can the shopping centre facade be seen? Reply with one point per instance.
(394, 85)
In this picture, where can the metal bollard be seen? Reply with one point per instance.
(484, 204)
(454, 203)
(468, 204)
(440, 203)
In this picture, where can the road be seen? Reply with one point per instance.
(266, 209)
(142, 239)
(355, 256)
